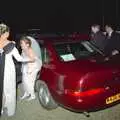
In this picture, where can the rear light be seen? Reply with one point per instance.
(85, 93)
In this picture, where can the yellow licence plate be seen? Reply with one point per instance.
(112, 99)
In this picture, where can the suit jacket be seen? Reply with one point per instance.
(112, 43)
(98, 39)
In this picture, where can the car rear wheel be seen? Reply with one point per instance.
(45, 97)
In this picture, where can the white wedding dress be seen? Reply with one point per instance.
(29, 74)
(30, 70)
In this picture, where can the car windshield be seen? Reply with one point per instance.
(75, 50)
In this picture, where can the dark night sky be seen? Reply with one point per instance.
(54, 15)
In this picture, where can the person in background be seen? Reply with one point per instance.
(113, 41)
(7, 72)
(97, 37)
(29, 70)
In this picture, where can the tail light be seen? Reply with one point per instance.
(85, 93)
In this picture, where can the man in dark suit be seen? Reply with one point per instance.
(112, 46)
(97, 37)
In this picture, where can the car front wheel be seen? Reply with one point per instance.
(45, 97)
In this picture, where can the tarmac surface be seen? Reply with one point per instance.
(32, 110)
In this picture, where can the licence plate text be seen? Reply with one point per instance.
(112, 99)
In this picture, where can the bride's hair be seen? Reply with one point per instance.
(4, 28)
(26, 40)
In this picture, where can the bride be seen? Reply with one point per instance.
(29, 70)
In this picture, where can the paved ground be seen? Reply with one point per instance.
(32, 110)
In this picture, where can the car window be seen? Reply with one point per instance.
(74, 50)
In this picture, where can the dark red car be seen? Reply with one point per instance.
(76, 75)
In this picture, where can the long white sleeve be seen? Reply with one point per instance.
(18, 57)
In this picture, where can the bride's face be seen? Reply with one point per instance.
(23, 45)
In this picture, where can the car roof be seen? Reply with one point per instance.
(62, 39)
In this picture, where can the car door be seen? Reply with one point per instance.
(49, 69)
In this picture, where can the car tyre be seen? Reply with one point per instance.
(37, 82)
(45, 97)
